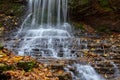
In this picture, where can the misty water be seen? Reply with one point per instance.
(46, 29)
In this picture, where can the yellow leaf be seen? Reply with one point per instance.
(105, 55)
(4, 58)
(17, 58)
(92, 49)
(85, 51)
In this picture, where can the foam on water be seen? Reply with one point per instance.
(83, 72)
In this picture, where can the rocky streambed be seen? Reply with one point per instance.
(102, 53)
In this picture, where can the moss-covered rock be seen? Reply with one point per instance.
(1, 46)
(27, 66)
(15, 10)
(4, 67)
(79, 26)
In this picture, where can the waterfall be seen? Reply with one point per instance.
(48, 12)
(46, 31)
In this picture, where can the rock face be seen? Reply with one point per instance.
(103, 15)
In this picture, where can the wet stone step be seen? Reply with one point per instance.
(46, 61)
(115, 58)
(116, 55)
(108, 76)
(105, 70)
(115, 61)
(118, 65)
(116, 51)
(99, 45)
(100, 59)
(103, 64)
(57, 66)
(117, 78)
(99, 51)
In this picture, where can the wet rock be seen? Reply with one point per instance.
(27, 66)
(105, 70)
(65, 76)
(57, 66)
(35, 49)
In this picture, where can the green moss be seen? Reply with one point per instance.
(1, 46)
(15, 9)
(4, 67)
(108, 9)
(105, 5)
(1, 24)
(103, 29)
(84, 2)
(26, 66)
(79, 26)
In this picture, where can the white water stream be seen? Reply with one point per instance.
(83, 72)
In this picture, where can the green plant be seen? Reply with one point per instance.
(79, 26)
(105, 4)
(26, 66)
(103, 29)
(4, 67)
(0, 24)
(15, 9)
(83, 2)
(1, 46)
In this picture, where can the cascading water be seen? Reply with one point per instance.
(117, 71)
(83, 72)
(48, 31)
